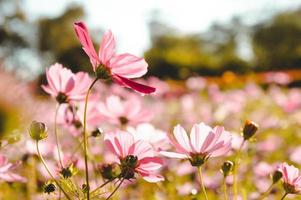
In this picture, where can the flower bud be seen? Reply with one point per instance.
(227, 168)
(38, 130)
(68, 172)
(249, 129)
(97, 132)
(277, 176)
(49, 187)
(109, 171)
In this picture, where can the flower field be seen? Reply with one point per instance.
(111, 136)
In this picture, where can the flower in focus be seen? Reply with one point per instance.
(64, 85)
(6, 173)
(128, 112)
(133, 156)
(106, 64)
(204, 142)
(291, 178)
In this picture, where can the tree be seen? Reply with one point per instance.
(277, 43)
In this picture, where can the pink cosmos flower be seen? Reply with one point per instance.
(291, 178)
(120, 67)
(133, 156)
(6, 173)
(127, 112)
(64, 85)
(204, 142)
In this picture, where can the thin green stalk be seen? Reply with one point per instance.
(235, 171)
(225, 189)
(57, 136)
(202, 182)
(102, 185)
(85, 138)
(284, 196)
(48, 171)
(115, 189)
(266, 193)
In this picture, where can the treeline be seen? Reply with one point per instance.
(274, 44)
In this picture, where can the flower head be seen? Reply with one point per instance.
(291, 178)
(204, 142)
(65, 86)
(133, 156)
(106, 64)
(128, 112)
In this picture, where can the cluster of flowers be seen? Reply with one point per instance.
(129, 152)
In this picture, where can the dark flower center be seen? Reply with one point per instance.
(62, 98)
(291, 189)
(198, 159)
(123, 120)
(103, 72)
(127, 166)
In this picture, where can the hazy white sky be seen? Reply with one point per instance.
(128, 19)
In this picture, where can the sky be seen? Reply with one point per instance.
(128, 19)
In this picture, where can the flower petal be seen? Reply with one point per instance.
(144, 89)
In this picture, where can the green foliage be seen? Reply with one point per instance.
(277, 44)
(57, 37)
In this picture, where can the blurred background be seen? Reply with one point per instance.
(178, 38)
(224, 41)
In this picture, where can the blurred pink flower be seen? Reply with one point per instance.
(280, 78)
(291, 178)
(127, 112)
(204, 142)
(147, 132)
(6, 173)
(120, 67)
(64, 85)
(134, 156)
(295, 155)
(263, 169)
(270, 144)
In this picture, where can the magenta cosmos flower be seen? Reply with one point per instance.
(64, 85)
(133, 156)
(291, 178)
(204, 142)
(6, 169)
(127, 112)
(106, 64)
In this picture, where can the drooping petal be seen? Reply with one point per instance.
(144, 89)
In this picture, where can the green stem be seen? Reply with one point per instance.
(115, 189)
(284, 196)
(48, 171)
(225, 189)
(266, 193)
(57, 136)
(102, 185)
(85, 138)
(235, 171)
(202, 182)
